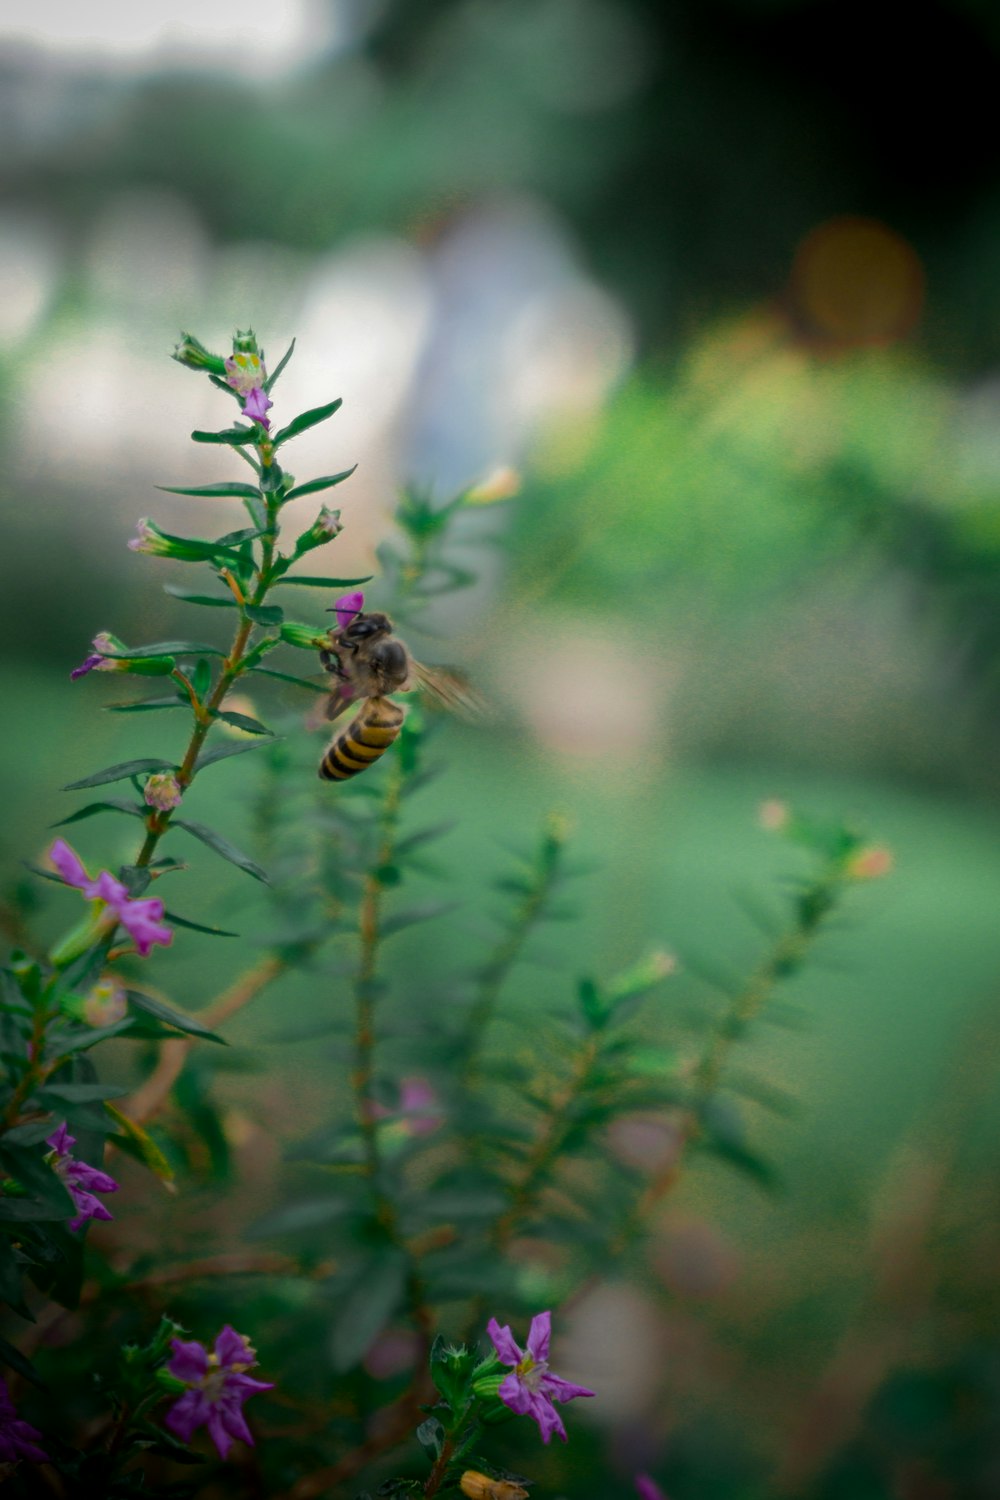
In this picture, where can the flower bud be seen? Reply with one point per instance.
(326, 526)
(246, 343)
(162, 791)
(773, 815)
(306, 637)
(191, 352)
(105, 1004)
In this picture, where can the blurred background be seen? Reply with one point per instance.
(718, 276)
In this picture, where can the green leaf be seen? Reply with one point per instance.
(166, 648)
(236, 436)
(222, 847)
(244, 722)
(138, 1143)
(367, 1308)
(110, 804)
(201, 678)
(175, 1018)
(236, 538)
(82, 1093)
(282, 362)
(83, 1040)
(322, 583)
(146, 705)
(313, 486)
(211, 601)
(223, 752)
(264, 614)
(16, 1360)
(229, 488)
(26, 1210)
(121, 772)
(171, 916)
(299, 424)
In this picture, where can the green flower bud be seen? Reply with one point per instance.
(326, 526)
(191, 352)
(306, 637)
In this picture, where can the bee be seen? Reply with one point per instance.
(370, 663)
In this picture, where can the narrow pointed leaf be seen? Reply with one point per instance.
(138, 1143)
(175, 1018)
(171, 916)
(146, 705)
(322, 583)
(425, 912)
(110, 804)
(121, 772)
(315, 687)
(313, 486)
(236, 436)
(223, 752)
(228, 489)
(298, 424)
(166, 648)
(236, 538)
(222, 847)
(264, 614)
(212, 601)
(244, 722)
(282, 362)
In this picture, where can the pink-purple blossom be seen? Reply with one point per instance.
(162, 791)
(142, 917)
(97, 661)
(17, 1438)
(529, 1389)
(81, 1181)
(418, 1111)
(347, 606)
(647, 1488)
(218, 1385)
(257, 405)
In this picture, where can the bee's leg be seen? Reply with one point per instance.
(331, 662)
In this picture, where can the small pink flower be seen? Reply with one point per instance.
(418, 1111)
(218, 1386)
(142, 918)
(245, 372)
(647, 1488)
(529, 1389)
(773, 815)
(81, 1181)
(871, 863)
(105, 1003)
(346, 607)
(98, 661)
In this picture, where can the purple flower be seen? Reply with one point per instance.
(81, 1181)
(647, 1488)
(217, 1388)
(418, 1111)
(98, 661)
(17, 1438)
(346, 607)
(529, 1389)
(141, 918)
(257, 405)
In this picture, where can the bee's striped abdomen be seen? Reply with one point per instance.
(369, 735)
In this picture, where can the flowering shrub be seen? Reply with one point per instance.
(422, 1179)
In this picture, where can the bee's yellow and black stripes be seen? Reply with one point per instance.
(369, 735)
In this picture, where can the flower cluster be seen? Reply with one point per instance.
(218, 1385)
(246, 374)
(142, 917)
(17, 1438)
(529, 1389)
(81, 1180)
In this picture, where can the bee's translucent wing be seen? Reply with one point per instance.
(448, 689)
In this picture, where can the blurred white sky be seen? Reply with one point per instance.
(256, 37)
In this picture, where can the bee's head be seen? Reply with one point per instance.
(365, 627)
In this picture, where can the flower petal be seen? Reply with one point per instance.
(69, 865)
(190, 1411)
(233, 1349)
(141, 920)
(515, 1394)
(503, 1342)
(539, 1335)
(347, 606)
(548, 1419)
(61, 1141)
(562, 1390)
(189, 1361)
